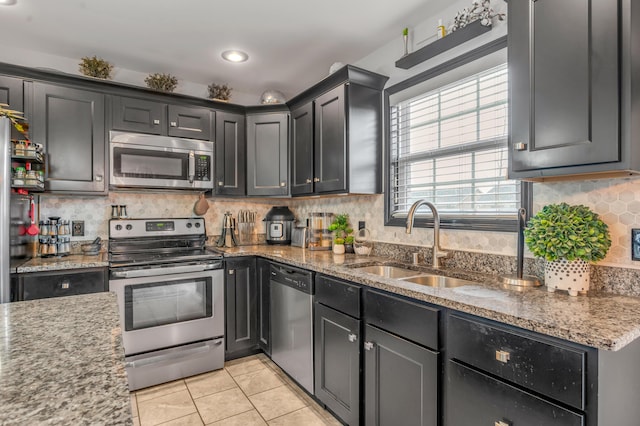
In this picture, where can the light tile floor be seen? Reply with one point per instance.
(248, 391)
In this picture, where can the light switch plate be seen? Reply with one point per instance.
(635, 244)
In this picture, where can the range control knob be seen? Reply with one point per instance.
(118, 227)
(129, 227)
(189, 225)
(197, 224)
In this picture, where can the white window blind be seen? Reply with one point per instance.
(449, 146)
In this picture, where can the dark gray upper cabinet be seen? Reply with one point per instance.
(230, 154)
(157, 118)
(339, 120)
(302, 150)
(70, 124)
(267, 154)
(567, 63)
(240, 307)
(11, 93)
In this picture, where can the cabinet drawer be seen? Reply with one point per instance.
(67, 283)
(550, 369)
(410, 320)
(340, 295)
(476, 399)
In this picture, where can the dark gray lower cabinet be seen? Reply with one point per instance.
(337, 362)
(42, 285)
(474, 398)
(240, 301)
(263, 276)
(400, 381)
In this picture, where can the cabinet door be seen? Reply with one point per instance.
(267, 144)
(337, 362)
(189, 122)
(70, 124)
(400, 381)
(11, 93)
(263, 275)
(139, 115)
(563, 75)
(474, 398)
(230, 154)
(241, 298)
(302, 150)
(330, 149)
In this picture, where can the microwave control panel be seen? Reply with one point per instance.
(203, 169)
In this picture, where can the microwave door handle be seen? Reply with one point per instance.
(192, 166)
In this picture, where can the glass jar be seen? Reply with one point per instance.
(31, 178)
(44, 227)
(19, 148)
(319, 234)
(18, 176)
(53, 246)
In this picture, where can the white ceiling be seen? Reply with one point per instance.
(291, 43)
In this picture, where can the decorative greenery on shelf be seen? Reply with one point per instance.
(221, 92)
(479, 10)
(95, 67)
(340, 226)
(563, 231)
(162, 82)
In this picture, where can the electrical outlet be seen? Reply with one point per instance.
(635, 244)
(77, 228)
(361, 224)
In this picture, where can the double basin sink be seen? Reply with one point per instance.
(413, 276)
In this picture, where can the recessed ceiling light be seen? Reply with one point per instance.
(233, 55)
(7, 2)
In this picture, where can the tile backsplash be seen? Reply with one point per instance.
(616, 200)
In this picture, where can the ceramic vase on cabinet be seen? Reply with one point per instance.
(572, 276)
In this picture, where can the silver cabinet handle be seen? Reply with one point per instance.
(232, 271)
(220, 183)
(283, 183)
(98, 178)
(501, 423)
(65, 285)
(519, 146)
(503, 356)
(316, 179)
(173, 124)
(156, 121)
(352, 338)
(309, 181)
(368, 345)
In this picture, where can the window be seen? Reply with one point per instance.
(449, 145)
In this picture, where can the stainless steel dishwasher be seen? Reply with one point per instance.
(292, 322)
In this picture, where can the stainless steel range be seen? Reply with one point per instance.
(170, 292)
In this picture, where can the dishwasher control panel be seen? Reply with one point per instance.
(296, 278)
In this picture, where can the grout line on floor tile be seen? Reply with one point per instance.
(159, 396)
(193, 400)
(249, 399)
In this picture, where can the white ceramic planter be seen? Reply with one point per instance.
(338, 248)
(570, 276)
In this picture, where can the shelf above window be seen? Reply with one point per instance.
(452, 40)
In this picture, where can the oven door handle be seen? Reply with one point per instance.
(192, 166)
(170, 270)
(171, 358)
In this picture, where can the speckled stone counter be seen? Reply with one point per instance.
(62, 362)
(77, 261)
(599, 320)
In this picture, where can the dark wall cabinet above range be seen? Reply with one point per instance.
(146, 116)
(336, 135)
(267, 154)
(572, 90)
(70, 123)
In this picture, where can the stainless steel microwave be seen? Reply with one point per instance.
(150, 161)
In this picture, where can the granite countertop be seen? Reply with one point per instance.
(76, 261)
(62, 362)
(600, 320)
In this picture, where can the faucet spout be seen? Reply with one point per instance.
(438, 252)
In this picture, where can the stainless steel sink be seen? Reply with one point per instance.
(438, 281)
(388, 271)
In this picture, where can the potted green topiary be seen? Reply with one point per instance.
(568, 237)
(348, 244)
(340, 226)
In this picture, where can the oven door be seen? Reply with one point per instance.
(163, 311)
(134, 165)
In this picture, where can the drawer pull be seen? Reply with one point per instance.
(502, 423)
(503, 356)
(232, 271)
(64, 285)
(368, 346)
(352, 338)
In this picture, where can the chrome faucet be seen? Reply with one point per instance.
(438, 252)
